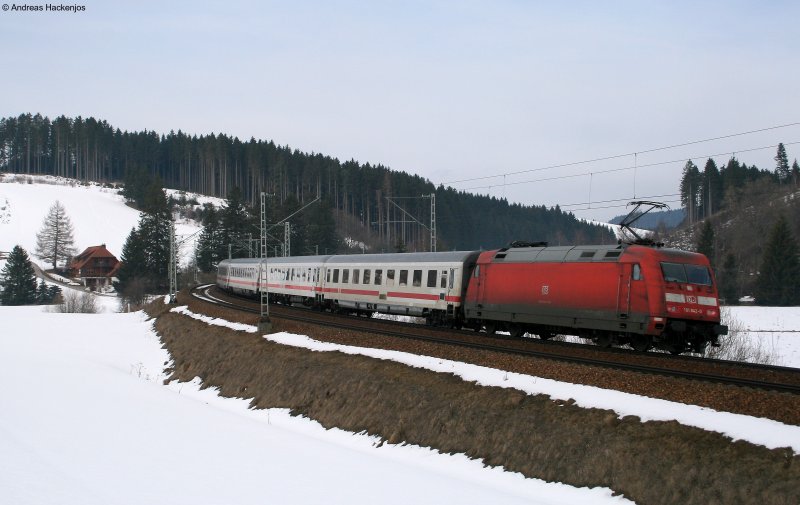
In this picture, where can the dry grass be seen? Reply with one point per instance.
(739, 345)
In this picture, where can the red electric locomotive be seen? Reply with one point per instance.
(627, 294)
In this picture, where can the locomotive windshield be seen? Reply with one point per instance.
(687, 274)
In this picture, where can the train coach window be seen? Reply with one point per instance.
(356, 276)
(336, 276)
(378, 277)
(637, 272)
(366, 275)
(345, 276)
(444, 279)
(403, 277)
(390, 277)
(417, 278)
(431, 278)
(328, 276)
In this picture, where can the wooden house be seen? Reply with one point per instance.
(94, 267)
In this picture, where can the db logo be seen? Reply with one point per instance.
(545, 290)
(691, 299)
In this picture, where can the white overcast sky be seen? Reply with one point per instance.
(448, 90)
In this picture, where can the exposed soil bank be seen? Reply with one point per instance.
(651, 463)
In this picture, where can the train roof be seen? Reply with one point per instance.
(559, 254)
(420, 257)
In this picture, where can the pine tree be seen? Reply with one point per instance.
(46, 294)
(133, 260)
(321, 229)
(795, 172)
(145, 255)
(690, 189)
(209, 245)
(779, 278)
(55, 241)
(236, 223)
(782, 164)
(705, 244)
(18, 279)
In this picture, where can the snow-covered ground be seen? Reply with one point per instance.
(98, 214)
(85, 418)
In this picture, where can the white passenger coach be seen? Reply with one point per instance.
(428, 285)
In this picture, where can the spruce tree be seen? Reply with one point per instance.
(236, 224)
(18, 279)
(134, 260)
(782, 164)
(795, 173)
(705, 244)
(55, 241)
(209, 245)
(779, 278)
(690, 189)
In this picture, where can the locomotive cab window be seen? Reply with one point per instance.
(691, 274)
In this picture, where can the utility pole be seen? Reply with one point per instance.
(433, 222)
(287, 239)
(172, 270)
(264, 324)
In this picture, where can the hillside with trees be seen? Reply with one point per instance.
(355, 195)
(746, 220)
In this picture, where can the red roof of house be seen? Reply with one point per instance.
(98, 251)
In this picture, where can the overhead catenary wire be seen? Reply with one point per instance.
(632, 167)
(625, 155)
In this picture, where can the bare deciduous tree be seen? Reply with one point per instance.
(55, 242)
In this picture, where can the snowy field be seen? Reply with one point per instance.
(98, 214)
(86, 420)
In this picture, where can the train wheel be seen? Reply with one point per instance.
(491, 328)
(642, 343)
(516, 330)
(546, 335)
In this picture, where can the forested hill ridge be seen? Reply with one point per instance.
(747, 221)
(91, 149)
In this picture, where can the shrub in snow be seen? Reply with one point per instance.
(78, 302)
(739, 345)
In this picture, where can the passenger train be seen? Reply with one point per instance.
(638, 295)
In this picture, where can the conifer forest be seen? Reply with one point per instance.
(359, 195)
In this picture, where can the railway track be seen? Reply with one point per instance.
(762, 377)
